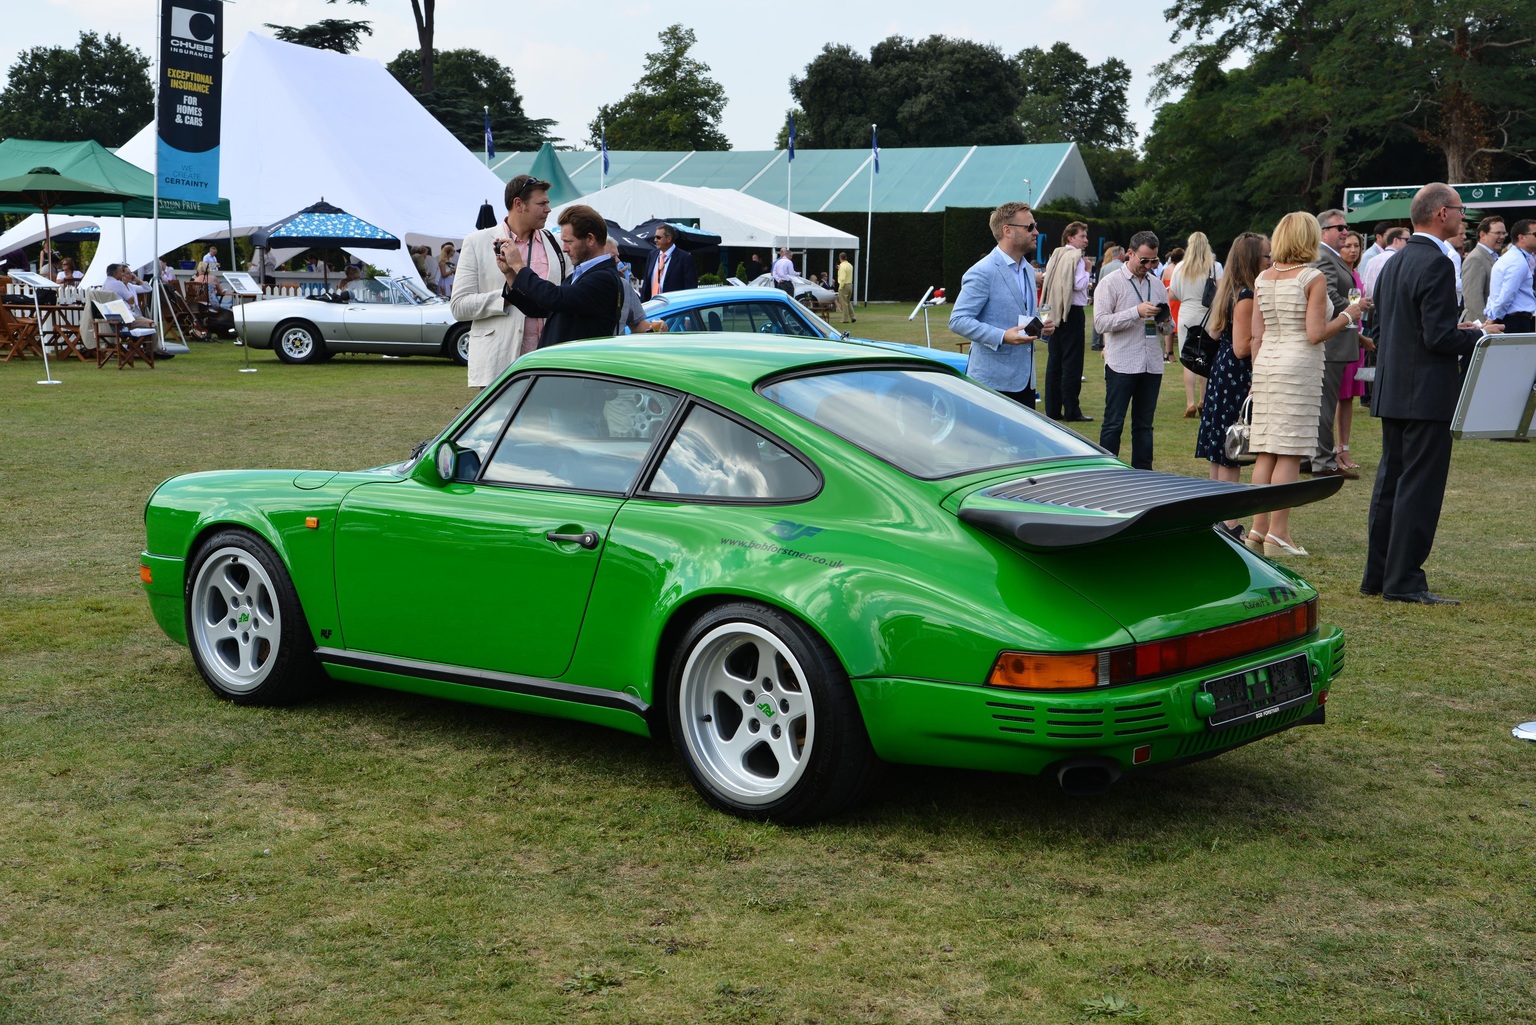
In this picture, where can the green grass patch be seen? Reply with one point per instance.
(370, 856)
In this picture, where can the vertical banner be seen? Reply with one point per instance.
(190, 87)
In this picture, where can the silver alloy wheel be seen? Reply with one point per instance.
(298, 342)
(461, 345)
(235, 619)
(746, 713)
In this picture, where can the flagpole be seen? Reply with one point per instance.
(602, 173)
(487, 136)
(869, 223)
(789, 193)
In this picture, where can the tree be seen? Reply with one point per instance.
(338, 34)
(1357, 72)
(1068, 100)
(674, 106)
(468, 81)
(331, 34)
(99, 90)
(937, 92)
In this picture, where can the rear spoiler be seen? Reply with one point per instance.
(1080, 507)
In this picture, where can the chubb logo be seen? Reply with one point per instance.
(788, 530)
(193, 25)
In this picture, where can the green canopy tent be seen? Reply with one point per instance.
(1394, 210)
(547, 167)
(91, 162)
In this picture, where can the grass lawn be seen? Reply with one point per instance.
(376, 857)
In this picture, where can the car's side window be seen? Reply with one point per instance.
(481, 433)
(715, 457)
(580, 432)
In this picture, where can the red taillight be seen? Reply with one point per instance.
(1087, 669)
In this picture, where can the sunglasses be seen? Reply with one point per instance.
(1145, 262)
(1027, 227)
(526, 183)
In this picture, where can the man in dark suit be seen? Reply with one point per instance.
(589, 303)
(1415, 396)
(1339, 351)
(669, 268)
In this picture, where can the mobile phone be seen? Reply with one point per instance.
(1034, 327)
(1162, 309)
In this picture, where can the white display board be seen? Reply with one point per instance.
(241, 284)
(1498, 397)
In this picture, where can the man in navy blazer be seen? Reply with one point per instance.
(589, 304)
(676, 266)
(1415, 395)
(997, 303)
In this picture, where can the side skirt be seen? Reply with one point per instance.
(502, 690)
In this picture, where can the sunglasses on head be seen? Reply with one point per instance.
(526, 183)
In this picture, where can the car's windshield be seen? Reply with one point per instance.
(417, 292)
(928, 423)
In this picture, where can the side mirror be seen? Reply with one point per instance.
(450, 463)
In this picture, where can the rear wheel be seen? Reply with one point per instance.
(456, 344)
(247, 630)
(764, 717)
(299, 341)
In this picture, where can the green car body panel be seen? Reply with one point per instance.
(453, 590)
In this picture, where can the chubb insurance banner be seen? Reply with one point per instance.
(187, 122)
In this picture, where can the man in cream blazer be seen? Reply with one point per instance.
(499, 332)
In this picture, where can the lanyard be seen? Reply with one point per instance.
(1138, 291)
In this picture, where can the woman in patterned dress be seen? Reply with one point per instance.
(1232, 371)
(1292, 317)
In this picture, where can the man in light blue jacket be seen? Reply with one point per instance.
(997, 305)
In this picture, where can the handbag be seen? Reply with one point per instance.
(1238, 446)
(1198, 353)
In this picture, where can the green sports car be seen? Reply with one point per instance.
(797, 559)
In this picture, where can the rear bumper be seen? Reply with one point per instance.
(1135, 727)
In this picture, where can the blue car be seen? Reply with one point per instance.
(763, 311)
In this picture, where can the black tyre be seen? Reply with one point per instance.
(764, 717)
(245, 626)
(456, 344)
(298, 341)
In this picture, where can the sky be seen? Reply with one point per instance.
(569, 59)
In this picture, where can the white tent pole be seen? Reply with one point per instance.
(869, 222)
(155, 211)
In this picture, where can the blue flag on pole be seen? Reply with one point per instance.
(490, 144)
(605, 151)
(874, 144)
(791, 137)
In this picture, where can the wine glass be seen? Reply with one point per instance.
(1043, 311)
(1354, 296)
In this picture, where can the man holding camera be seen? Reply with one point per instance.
(499, 332)
(590, 304)
(1130, 309)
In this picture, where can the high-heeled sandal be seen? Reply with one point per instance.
(1255, 542)
(1274, 547)
(1344, 460)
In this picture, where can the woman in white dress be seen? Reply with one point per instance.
(1292, 317)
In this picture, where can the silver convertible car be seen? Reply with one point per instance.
(389, 316)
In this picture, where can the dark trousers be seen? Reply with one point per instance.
(1024, 398)
(1405, 504)
(1138, 393)
(1519, 323)
(1325, 456)
(1064, 368)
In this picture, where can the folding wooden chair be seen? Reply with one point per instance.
(114, 335)
(66, 333)
(19, 335)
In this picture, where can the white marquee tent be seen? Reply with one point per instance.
(299, 125)
(737, 218)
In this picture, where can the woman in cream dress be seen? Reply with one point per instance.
(1292, 317)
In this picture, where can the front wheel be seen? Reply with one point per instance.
(764, 717)
(299, 341)
(248, 634)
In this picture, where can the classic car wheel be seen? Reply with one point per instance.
(247, 630)
(299, 341)
(456, 345)
(764, 717)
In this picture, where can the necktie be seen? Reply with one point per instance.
(661, 269)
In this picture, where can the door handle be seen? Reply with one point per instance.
(587, 538)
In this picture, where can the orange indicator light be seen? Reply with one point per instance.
(145, 575)
(312, 522)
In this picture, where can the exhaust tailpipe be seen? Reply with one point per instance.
(1087, 777)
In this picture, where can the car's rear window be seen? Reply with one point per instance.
(928, 423)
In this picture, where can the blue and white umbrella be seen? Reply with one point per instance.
(324, 226)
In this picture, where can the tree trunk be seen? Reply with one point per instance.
(424, 25)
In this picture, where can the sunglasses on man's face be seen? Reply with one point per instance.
(1147, 261)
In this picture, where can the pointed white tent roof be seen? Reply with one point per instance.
(736, 217)
(301, 124)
